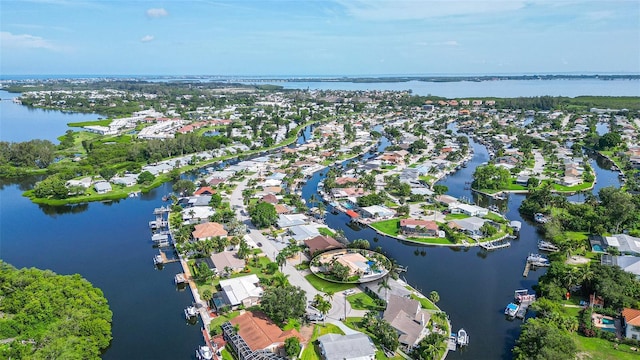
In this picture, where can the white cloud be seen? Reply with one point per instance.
(157, 12)
(147, 38)
(415, 10)
(10, 40)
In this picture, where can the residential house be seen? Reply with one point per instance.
(447, 200)
(84, 182)
(345, 180)
(227, 261)
(322, 243)
(208, 230)
(197, 213)
(469, 209)
(303, 232)
(631, 323)
(357, 346)
(624, 243)
(270, 198)
(289, 220)
(470, 225)
(244, 290)
(407, 317)
(102, 187)
(417, 227)
(126, 180)
(628, 263)
(376, 211)
(260, 333)
(205, 190)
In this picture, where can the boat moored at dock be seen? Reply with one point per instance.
(463, 338)
(547, 246)
(204, 353)
(190, 312)
(511, 310)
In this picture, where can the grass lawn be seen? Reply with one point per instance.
(89, 123)
(495, 217)
(426, 303)
(430, 240)
(362, 301)
(324, 285)
(390, 204)
(221, 319)
(563, 188)
(325, 231)
(226, 355)
(601, 349)
(576, 236)
(311, 351)
(456, 216)
(428, 178)
(389, 227)
(514, 186)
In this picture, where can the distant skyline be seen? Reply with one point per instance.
(341, 37)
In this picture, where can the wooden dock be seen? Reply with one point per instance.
(527, 267)
(161, 259)
(494, 245)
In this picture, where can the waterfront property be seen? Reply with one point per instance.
(261, 334)
(244, 290)
(408, 318)
(631, 323)
(350, 266)
(356, 346)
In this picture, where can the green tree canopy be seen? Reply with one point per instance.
(284, 303)
(263, 215)
(59, 317)
(542, 340)
(491, 177)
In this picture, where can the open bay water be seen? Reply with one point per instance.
(109, 244)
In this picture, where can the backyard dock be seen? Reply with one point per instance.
(527, 267)
(495, 244)
(161, 259)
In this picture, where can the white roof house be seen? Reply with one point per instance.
(303, 232)
(288, 220)
(625, 243)
(102, 187)
(238, 290)
(126, 180)
(356, 346)
(377, 211)
(197, 212)
(471, 210)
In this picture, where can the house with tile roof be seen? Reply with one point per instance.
(631, 323)
(261, 333)
(418, 227)
(208, 230)
(322, 243)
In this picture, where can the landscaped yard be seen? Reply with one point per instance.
(563, 188)
(324, 285)
(326, 232)
(456, 216)
(389, 227)
(362, 301)
(311, 351)
(602, 349)
(221, 319)
(495, 217)
(431, 240)
(426, 303)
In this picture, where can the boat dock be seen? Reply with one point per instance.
(180, 279)
(452, 344)
(161, 259)
(525, 300)
(495, 244)
(534, 261)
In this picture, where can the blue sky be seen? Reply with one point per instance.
(341, 37)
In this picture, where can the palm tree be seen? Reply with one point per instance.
(329, 294)
(323, 306)
(384, 284)
(280, 280)
(281, 259)
(434, 296)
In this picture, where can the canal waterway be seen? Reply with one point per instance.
(109, 244)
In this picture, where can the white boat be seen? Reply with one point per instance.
(511, 309)
(204, 353)
(463, 338)
(538, 260)
(190, 312)
(157, 260)
(547, 246)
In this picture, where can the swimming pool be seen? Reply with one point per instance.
(597, 247)
(609, 329)
(608, 321)
(347, 205)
